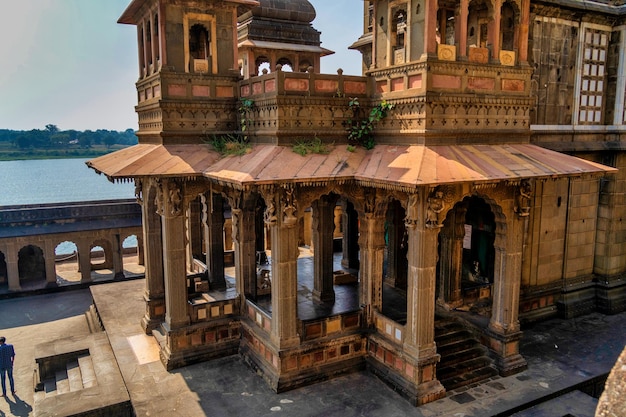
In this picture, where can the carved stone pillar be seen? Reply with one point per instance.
(285, 253)
(419, 340)
(372, 249)
(350, 231)
(504, 329)
(523, 32)
(464, 10)
(49, 256)
(213, 224)
(244, 239)
(494, 33)
(322, 234)
(174, 251)
(430, 40)
(154, 294)
(451, 259)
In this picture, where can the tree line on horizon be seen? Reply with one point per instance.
(53, 138)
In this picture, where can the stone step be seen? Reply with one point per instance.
(62, 383)
(458, 344)
(74, 376)
(453, 358)
(467, 378)
(87, 372)
(50, 387)
(448, 370)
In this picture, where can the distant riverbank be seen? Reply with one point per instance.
(21, 155)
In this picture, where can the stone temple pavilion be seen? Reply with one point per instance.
(483, 194)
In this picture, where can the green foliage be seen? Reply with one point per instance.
(52, 142)
(315, 145)
(245, 106)
(351, 148)
(360, 130)
(230, 144)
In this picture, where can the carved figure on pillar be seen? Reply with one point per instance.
(435, 210)
(138, 191)
(175, 198)
(411, 218)
(523, 195)
(289, 206)
(270, 212)
(158, 199)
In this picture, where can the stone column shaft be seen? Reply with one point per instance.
(153, 262)
(284, 285)
(49, 256)
(245, 250)
(463, 28)
(372, 248)
(174, 257)
(118, 257)
(13, 273)
(214, 239)
(420, 324)
(322, 234)
(84, 260)
(350, 244)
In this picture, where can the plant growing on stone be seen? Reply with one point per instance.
(230, 144)
(360, 129)
(315, 145)
(244, 108)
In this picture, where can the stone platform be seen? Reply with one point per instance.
(564, 356)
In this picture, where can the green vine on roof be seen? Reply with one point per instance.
(361, 132)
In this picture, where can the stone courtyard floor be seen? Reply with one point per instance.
(561, 355)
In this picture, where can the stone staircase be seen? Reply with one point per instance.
(77, 374)
(464, 360)
(93, 320)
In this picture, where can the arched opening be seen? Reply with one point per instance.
(131, 256)
(262, 64)
(395, 264)
(286, 64)
(446, 25)
(507, 27)
(98, 256)
(478, 19)
(66, 260)
(397, 36)
(4, 276)
(467, 256)
(31, 266)
(199, 48)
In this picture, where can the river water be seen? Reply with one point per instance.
(56, 181)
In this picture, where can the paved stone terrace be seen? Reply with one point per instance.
(560, 354)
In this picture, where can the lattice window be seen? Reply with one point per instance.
(593, 77)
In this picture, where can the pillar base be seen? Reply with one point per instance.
(155, 314)
(305, 364)
(414, 379)
(197, 343)
(504, 349)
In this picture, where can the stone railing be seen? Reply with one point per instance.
(289, 106)
(206, 308)
(328, 326)
(259, 317)
(389, 329)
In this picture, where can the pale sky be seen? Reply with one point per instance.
(69, 63)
